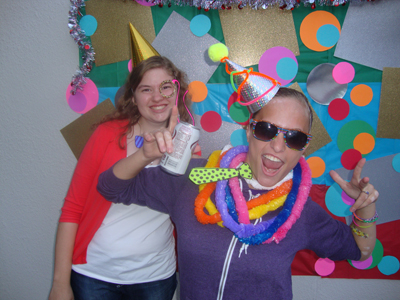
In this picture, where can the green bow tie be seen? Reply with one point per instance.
(206, 175)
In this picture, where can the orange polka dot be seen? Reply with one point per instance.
(364, 142)
(198, 91)
(361, 95)
(310, 25)
(317, 166)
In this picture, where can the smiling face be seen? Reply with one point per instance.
(154, 108)
(272, 161)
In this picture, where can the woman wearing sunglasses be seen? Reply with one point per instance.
(243, 247)
(108, 251)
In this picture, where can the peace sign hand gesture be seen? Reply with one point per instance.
(358, 188)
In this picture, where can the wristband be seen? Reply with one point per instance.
(371, 224)
(358, 231)
(370, 220)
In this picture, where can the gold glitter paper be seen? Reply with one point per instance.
(77, 133)
(389, 107)
(112, 40)
(318, 131)
(249, 33)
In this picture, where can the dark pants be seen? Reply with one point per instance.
(87, 288)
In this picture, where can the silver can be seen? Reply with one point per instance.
(185, 138)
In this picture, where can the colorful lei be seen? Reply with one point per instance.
(236, 213)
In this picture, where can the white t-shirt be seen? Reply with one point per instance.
(134, 244)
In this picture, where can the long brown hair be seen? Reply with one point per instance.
(126, 109)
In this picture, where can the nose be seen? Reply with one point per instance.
(278, 143)
(157, 95)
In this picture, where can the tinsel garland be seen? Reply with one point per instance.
(253, 4)
(83, 42)
(85, 47)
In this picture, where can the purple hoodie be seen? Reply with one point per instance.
(213, 264)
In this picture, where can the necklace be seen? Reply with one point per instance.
(274, 229)
(253, 209)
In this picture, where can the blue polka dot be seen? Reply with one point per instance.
(286, 68)
(88, 24)
(328, 35)
(334, 202)
(396, 163)
(200, 25)
(238, 137)
(388, 265)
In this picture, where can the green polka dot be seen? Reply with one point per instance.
(239, 113)
(349, 131)
(377, 255)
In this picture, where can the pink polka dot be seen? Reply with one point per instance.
(362, 264)
(89, 93)
(324, 266)
(77, 102)
(346, 199)
(130, 65)
(211, 121)
(269, 60)
(343, 73)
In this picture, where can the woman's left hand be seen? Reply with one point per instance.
(358, 188)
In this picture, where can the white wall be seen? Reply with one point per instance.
(37, 60)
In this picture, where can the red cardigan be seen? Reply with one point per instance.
(83, 204)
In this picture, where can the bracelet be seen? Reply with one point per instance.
(362, 226)
(358, 231)
(370, 220)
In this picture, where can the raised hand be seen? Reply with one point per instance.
(358, 188)
(160, 141)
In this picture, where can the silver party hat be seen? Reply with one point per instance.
(254, 89)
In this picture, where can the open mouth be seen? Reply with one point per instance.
(271, 164)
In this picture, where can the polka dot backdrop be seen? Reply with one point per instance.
(350, 119)
(324, 266)
(334, 201)
(361, 95)
(279, 63)
(377, 255)
(200, 25)
(317, 166)
(343, 72)
(314, 28)
(338, 109)
(85, 100)
(239, 113)
(211, 121)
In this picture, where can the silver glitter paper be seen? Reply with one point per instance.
(253, 87)
(187, 51)
(388, 186)
(211, 141)
(321, 86)
(373, 41)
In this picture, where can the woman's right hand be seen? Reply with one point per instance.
(156, 143)
(61, 292)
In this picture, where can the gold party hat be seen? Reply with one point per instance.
(141, 49)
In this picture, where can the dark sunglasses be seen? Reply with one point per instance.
(294, 139)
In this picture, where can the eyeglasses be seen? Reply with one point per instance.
(167, 88)
(294, 139)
